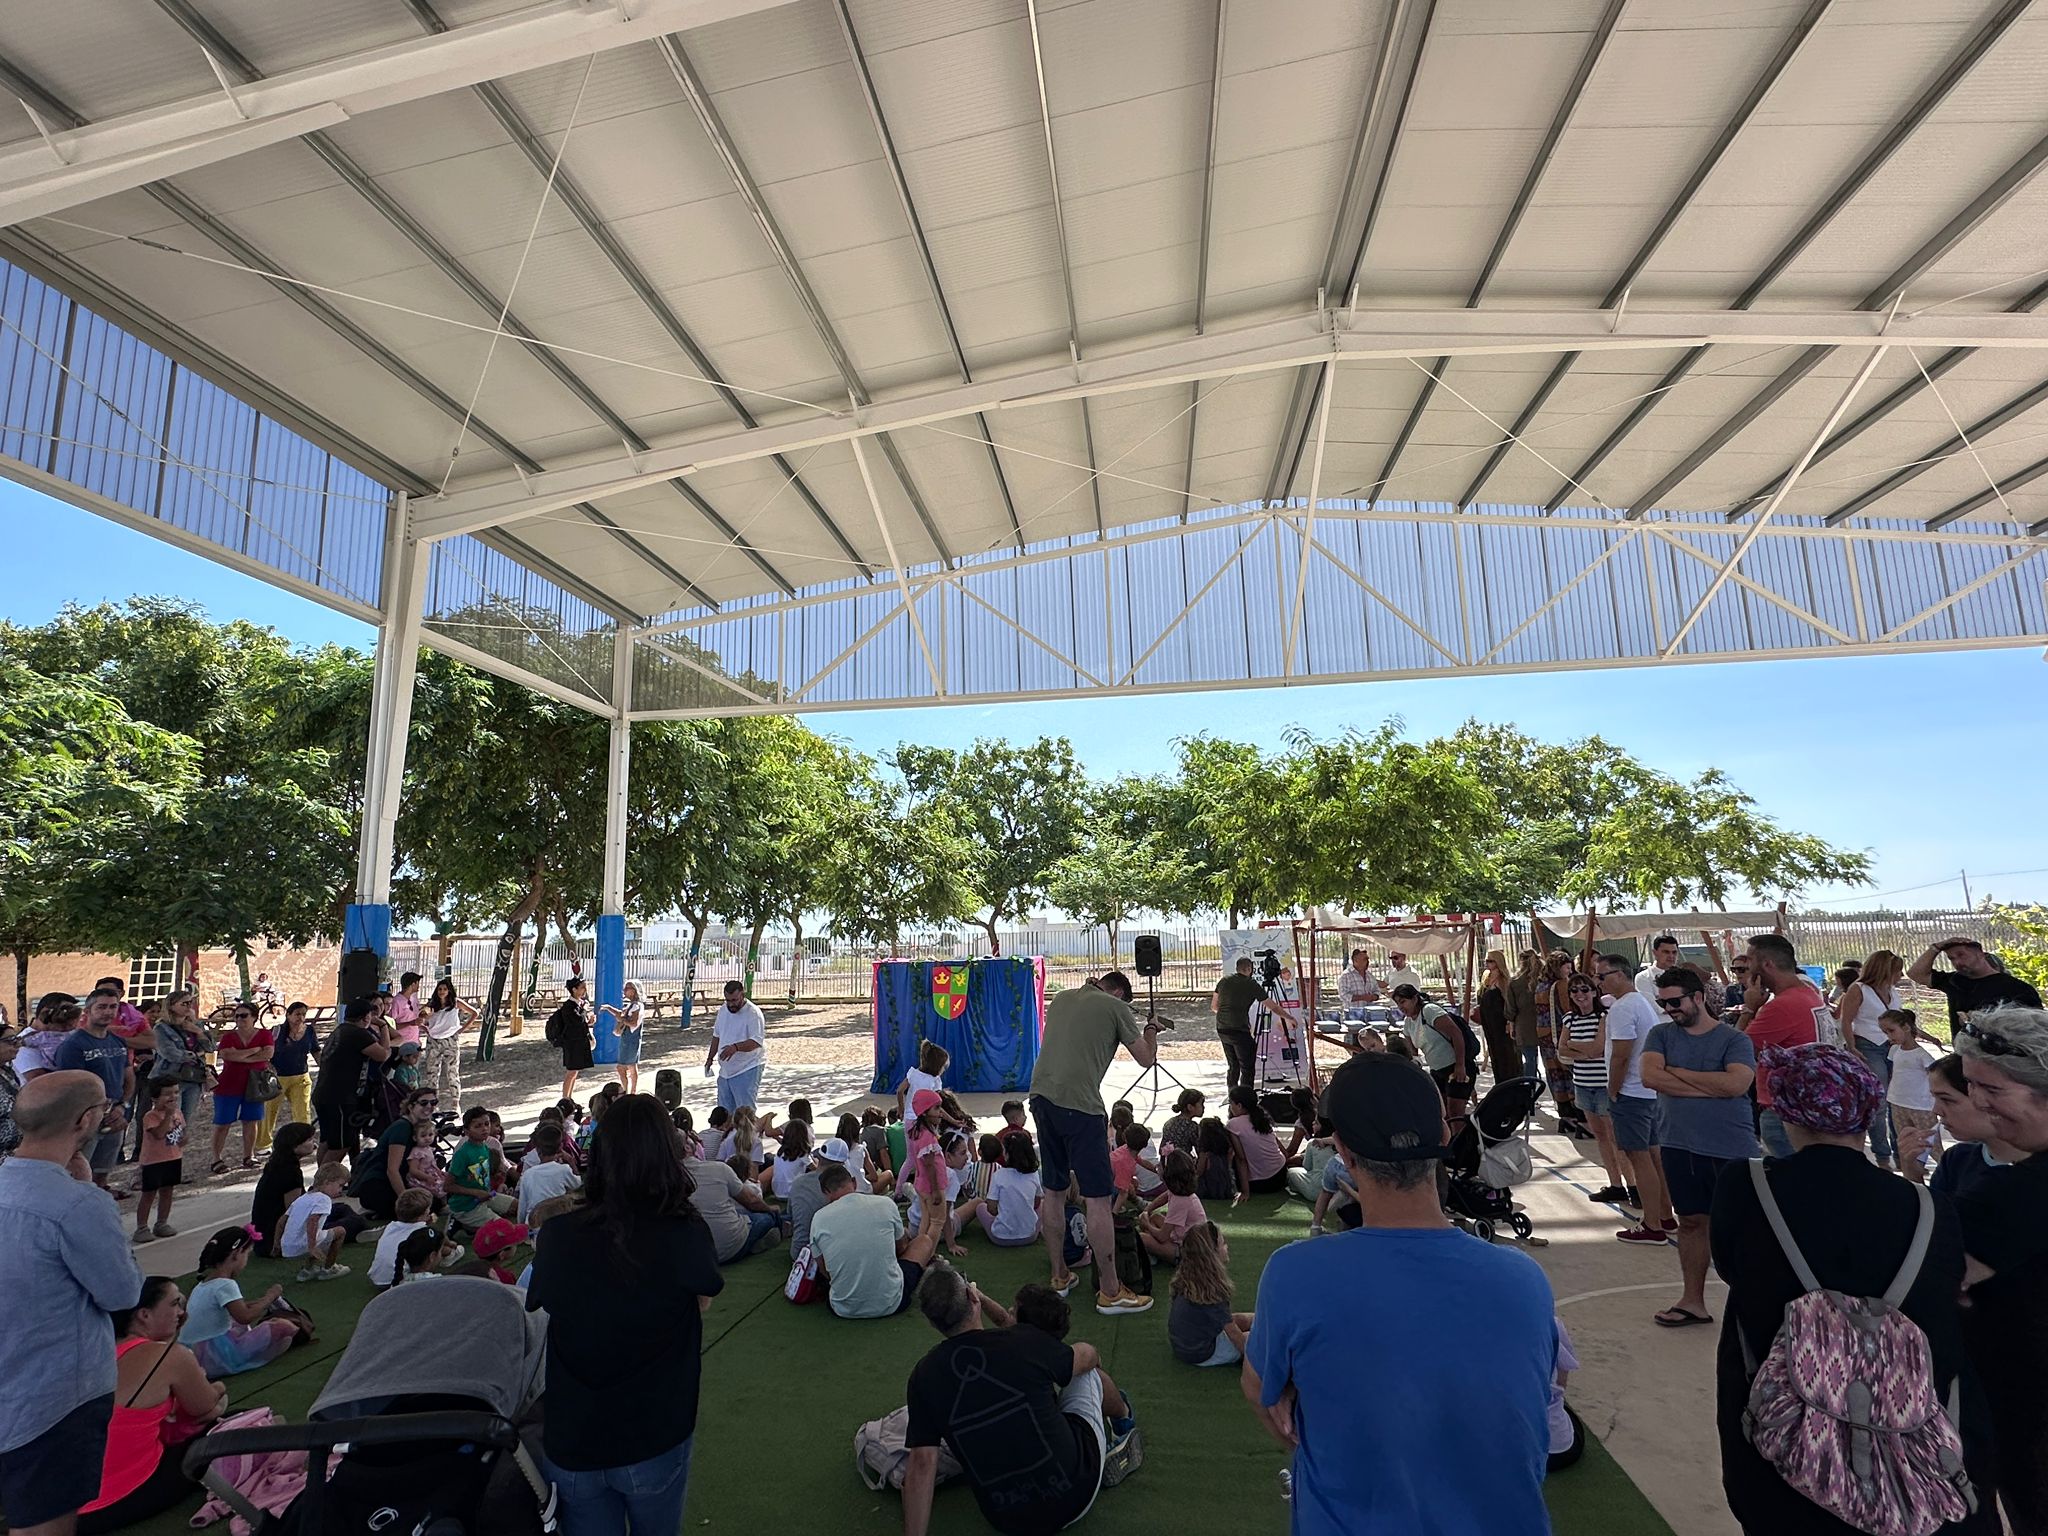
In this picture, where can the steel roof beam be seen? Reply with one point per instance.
(1975, 433)
(1988, 497)
(121, 153)
(1887, 293)
(1647, 251)
(727, 150)
(1059, 221)
(192, 214)
(1844, 191)
(1260, 347)
(1395, 72)
(924, 257)
(1508, 229)
(228, 57)
(1187, 500)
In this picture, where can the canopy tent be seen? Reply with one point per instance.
(702, 357)
(1582, 928)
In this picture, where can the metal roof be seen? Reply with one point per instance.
(706, 308)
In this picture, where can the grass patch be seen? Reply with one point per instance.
(785, 1387)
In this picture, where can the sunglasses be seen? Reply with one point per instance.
(1994, 1043)
(1671, 1004)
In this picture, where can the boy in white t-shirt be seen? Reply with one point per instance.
(1909, 1097)
(306, 1233)
(548, 1175)
(409, 1215)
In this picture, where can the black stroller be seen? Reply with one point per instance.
(437, 1442)
(1488, 1156)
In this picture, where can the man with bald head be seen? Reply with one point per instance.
(65, 1263)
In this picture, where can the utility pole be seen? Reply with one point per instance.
(1968, 905)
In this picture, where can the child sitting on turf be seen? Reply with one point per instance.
(551, 1175)
(1121, 1118)
(743, 1166)
(1014, 1120)
(418, 1258)
(1132, 1167)
(988, 1157)
(307, 1237)
(1009, 1212)
(408, 1215)
(1175, 1210)
(1317, 1153)
(228, 1334)
(744, 1139)
(867, 1178)
(1201, 1327)
(792, 1158)
(717, 1131)
(693, 1145)
(1215, 1170)
(1037, 1306)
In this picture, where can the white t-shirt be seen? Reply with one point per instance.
(1646, 982)
(544, 1181)
(733, 1027)
(1630, 1017)
(443, 1024)
(1909, 1086)
(384, 1262)
(1406, 976)
(786, 1171)
(919, 1081)
(311, 1203)
(1016, 1198)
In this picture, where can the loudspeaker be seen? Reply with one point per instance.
(360, 974)
(668, 1087)
(1145, 955)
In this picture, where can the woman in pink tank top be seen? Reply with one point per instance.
(161, 1399)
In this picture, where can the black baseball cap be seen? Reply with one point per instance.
(1385, 1109)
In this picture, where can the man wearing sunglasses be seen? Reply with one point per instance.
(1701, 1069)
(1975, 980)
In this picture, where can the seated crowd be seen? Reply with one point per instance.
(869, 1217)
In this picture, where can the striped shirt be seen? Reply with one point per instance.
(1580, 1028)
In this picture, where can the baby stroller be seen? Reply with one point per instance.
(437, 1442)
(1488, 1157)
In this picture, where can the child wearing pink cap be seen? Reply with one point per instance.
(927, 1158)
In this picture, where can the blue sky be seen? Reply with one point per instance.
(1915, 758)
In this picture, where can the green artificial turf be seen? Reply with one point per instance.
(785, 1387)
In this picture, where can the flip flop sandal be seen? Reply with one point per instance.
(220, 1167)
(1677, 1317)
(248, 1163)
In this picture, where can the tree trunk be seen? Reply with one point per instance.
(241, 949)
(21, 960)
(1112, 927)
(753, 955)
(501, 965)
(697, 921)
(995, 944)
(568, 938)
(796, 956)
(1234, 916)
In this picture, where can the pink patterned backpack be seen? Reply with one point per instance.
(1844, 1405)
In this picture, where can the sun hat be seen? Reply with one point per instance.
(496, 1235)
(924, 1100)
(833, 1150)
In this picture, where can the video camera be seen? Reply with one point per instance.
(1269, 965)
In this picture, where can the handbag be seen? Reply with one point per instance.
(802, 1286)
(263, 1085)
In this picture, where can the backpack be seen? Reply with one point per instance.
(552, 1030)
(1133, 1259)
(1844, 1407)
(1464, 1027)
(880, 1454)
(802, 1286)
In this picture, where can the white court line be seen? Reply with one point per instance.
(1623, 1290)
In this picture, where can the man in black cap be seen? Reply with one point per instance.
(1319, 1372)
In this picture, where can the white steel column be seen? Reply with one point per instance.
(398, 647)
(618, 773)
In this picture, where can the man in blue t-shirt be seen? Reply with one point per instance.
(1701, 1069)
(92, 1047)
(1323, 1378)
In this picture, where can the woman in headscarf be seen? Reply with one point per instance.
(1853, 1224)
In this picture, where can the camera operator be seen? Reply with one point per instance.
(1232, 1003)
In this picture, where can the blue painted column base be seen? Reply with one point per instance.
(611, 984)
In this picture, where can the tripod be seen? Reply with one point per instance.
(1154, 1072)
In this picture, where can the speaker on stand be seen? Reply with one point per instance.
(1150, 963)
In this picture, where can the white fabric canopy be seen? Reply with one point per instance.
(1438, 938)
(1634, 925)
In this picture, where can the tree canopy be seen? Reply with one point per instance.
(164, 779)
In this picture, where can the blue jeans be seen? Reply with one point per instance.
(1532, 1061)
(1772, 1129)
(1877, 1057)
(645, 1498)
(758, 1223)
(739, 1090)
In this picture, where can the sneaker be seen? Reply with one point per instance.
(1124, 1455)
(329, 1272)
(307, 1272)
(1649, 1237)
(142, 1235)
(1067, 1289)
(1122, 1304)
(1608, 1195)
(164, 1229)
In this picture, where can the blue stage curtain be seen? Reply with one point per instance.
(993, 1044)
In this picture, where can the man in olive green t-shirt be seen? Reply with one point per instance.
(1083, 1028)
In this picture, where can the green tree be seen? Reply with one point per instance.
(2027, 956)
(892, 867)
(1021, 807)
(1228, 815)
(1112, 875)
(81, 785)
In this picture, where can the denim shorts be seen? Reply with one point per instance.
(1073, 1148)
(1594, 1100)
(1635, 1123)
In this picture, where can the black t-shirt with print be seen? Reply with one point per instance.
(993, 1396)
(1967, 994)
(1235, 997)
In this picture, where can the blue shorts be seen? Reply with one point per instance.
(227, 1111)
(58, 1472)
(1594, 1100)
(1225, 1352)
(1635, 1123)
(1073, 1148)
